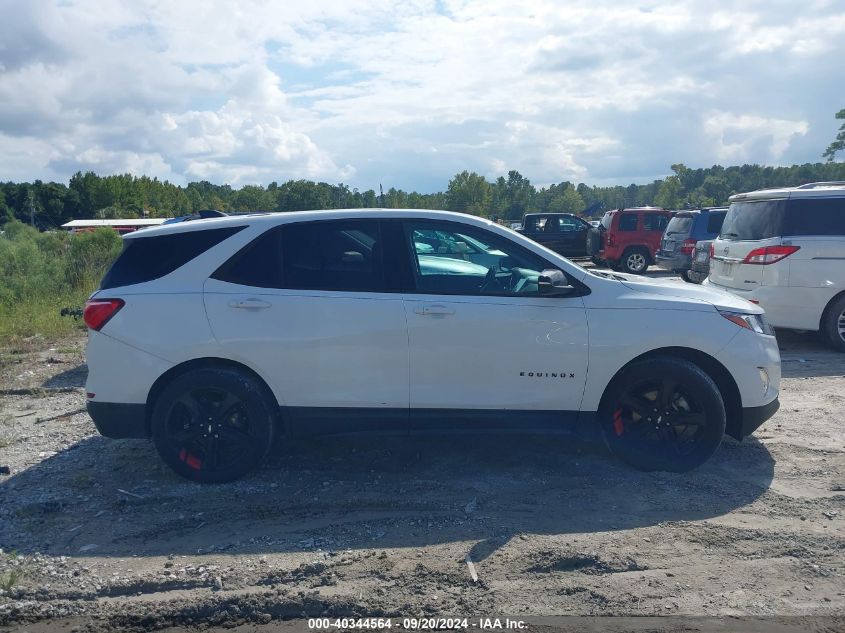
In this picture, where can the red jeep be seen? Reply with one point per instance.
(627, 239)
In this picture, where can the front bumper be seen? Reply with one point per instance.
(119, 420)
(672, 261)
(753, 418)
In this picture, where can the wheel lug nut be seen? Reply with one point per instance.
(648, 419)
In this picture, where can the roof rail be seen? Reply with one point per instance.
(829, 183)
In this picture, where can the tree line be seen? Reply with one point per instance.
(47, 205)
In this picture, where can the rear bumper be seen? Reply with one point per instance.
(673, 261)
(754, 417)
(119, 420)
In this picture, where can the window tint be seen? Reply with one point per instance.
(453, 259)
(147, 258)
(714, 222)
(543, 224)
(258, 264)
(332, 256)
(815, 216)
(654, 222)
(757, 220)
(628, 222)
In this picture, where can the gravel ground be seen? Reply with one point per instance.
(97, 535)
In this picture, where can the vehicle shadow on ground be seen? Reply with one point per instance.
(113, 498)
(68, 379)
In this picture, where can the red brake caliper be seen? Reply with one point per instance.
(191, 460)
(618, 425)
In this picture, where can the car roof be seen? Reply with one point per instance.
(660, 209)
(809, 190)
(531, 215)
(284, 217)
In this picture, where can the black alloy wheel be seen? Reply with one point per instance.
(663, 414)
(213, 425)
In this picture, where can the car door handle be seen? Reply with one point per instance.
(433, 309)
(250, 304)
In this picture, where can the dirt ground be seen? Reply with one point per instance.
(97, 535)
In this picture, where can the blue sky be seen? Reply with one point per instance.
(408, 93)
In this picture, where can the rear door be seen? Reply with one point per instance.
(309, 306)
(748, 225)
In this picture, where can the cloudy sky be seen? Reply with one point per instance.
(409, 93)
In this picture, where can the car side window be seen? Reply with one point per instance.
(816, 216)
(568, 224)
(628, 222)
(714, 222)
(469, 261)
(656, 222)
(342, 255)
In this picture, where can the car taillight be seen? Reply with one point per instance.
(687, 246)
(98, 312)
(769, 254)
(711, 250)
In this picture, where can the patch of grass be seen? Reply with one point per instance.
(39, 315)
(10, 579)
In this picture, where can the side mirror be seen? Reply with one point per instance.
(553, 283)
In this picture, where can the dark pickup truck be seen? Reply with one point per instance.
(563, 233)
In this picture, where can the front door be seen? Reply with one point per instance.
(482, 339)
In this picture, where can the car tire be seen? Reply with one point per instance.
(662, 413)
(214, 424)
(833, 323)
(685, 275)
(634, 261)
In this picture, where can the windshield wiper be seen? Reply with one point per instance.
(729, 235)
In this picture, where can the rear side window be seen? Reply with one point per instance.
(343, 255)
(815, 216)
(655, 222)
(757, 220)
(628, 222)
(714, 222)
(147, 258)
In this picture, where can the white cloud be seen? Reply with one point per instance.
(736, 138)
(407, 93)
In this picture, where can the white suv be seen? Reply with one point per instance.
(784, 249)
(214, 336)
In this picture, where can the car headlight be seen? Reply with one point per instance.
(755, 322)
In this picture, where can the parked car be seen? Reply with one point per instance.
(563, 233)
(682, 233)
(627, 239)
(700, 266)
(214, 336)
(784, 249)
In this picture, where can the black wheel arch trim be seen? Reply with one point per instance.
(735, 426)
(193, 364)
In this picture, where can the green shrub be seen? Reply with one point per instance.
(41, 273)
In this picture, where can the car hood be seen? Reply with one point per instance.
(681, 290)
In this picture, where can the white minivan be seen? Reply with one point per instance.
(784, 249)
(214, 336)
